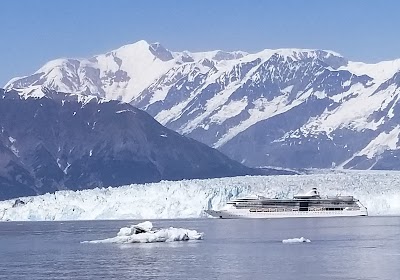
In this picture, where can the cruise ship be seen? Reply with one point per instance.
(310, 204)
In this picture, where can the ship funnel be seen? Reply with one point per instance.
(313, 193)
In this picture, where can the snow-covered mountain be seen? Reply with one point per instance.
(377, 190)
(72, 141)
(288, 107)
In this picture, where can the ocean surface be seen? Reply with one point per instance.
(340, 248)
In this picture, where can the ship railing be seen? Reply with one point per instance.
(272, 209)
(310, 209)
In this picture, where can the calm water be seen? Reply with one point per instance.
(340, 248)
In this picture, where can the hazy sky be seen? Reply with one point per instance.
(33, 32)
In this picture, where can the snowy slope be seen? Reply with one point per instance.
(73, 141)
(285, 104)
(380, 71)
(379, 192)
(121, 74)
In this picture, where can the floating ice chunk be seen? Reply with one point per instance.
(145, 233)
(135, 229)
(296, 240)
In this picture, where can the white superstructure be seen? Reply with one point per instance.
(310, 204)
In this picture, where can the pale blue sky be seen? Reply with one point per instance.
(35, 31)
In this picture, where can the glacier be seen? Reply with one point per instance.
(379, 191)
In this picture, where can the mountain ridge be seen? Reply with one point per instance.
(302, 101)
(69, 141)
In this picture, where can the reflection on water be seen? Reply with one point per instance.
(340, 248)
(155, 245)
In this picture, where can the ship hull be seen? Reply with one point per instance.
(246, 214)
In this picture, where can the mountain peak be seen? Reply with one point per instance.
(160, 52)
(140, 45)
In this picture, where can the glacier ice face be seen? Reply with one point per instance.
(377, 190)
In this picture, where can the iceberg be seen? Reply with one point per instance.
(145, 233)
(379, 191)
(296, 240)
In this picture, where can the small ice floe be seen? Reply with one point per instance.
(145, 233)
(296, 240)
